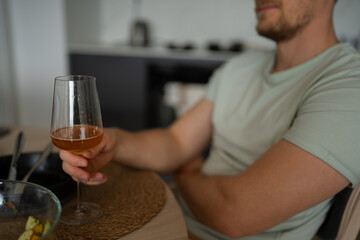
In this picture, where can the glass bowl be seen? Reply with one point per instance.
(19, 201)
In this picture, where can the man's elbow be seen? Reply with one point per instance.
(230, 225)
(234, 230)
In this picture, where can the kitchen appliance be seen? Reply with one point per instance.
(140, 34)
(140, 28)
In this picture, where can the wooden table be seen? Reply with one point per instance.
(168, 224)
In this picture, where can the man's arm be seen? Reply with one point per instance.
(161, 150)
(283, 182)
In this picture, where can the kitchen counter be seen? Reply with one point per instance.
(149, 52)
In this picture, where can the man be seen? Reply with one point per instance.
(283, 127)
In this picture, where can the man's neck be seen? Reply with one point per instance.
(305, 46)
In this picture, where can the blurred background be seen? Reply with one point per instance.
(152, 58)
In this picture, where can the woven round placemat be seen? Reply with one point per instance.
(129, 199)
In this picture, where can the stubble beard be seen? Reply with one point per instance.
(284, 30)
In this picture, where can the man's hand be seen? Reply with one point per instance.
(194, 165)
(189, 169)
(85, 167)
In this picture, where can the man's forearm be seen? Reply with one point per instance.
(283, 182)
(154, 149)
(211, 199)
(165, 150)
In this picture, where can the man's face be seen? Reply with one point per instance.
(281, 20)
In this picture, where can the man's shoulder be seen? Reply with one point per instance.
(338, 70)
(340, 62)
(345, 56)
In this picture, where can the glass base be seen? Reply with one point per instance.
(87, 213)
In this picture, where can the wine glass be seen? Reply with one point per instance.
(76, 126)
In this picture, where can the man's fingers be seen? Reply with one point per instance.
(79, 167)
(73, 159)
(76, 172)
(96, 179)
(95, 150)
(81, 175)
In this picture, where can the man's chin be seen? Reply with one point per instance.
(265, 31)
(278, 37)
(266, 25)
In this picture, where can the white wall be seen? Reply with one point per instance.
(38, 53)
(7, 85)
(82, 14)
(347, 20)
(198, 21)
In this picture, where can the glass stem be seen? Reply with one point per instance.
(78, 197)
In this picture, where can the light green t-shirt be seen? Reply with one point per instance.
(315, 105)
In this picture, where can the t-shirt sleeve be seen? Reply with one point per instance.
(327, 125)
(213, 85)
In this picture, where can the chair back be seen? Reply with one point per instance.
(350, 221)
(330, 227)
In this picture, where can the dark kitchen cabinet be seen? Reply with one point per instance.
(121, 84)
(131, 87)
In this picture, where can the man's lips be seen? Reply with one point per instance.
(264, 8)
